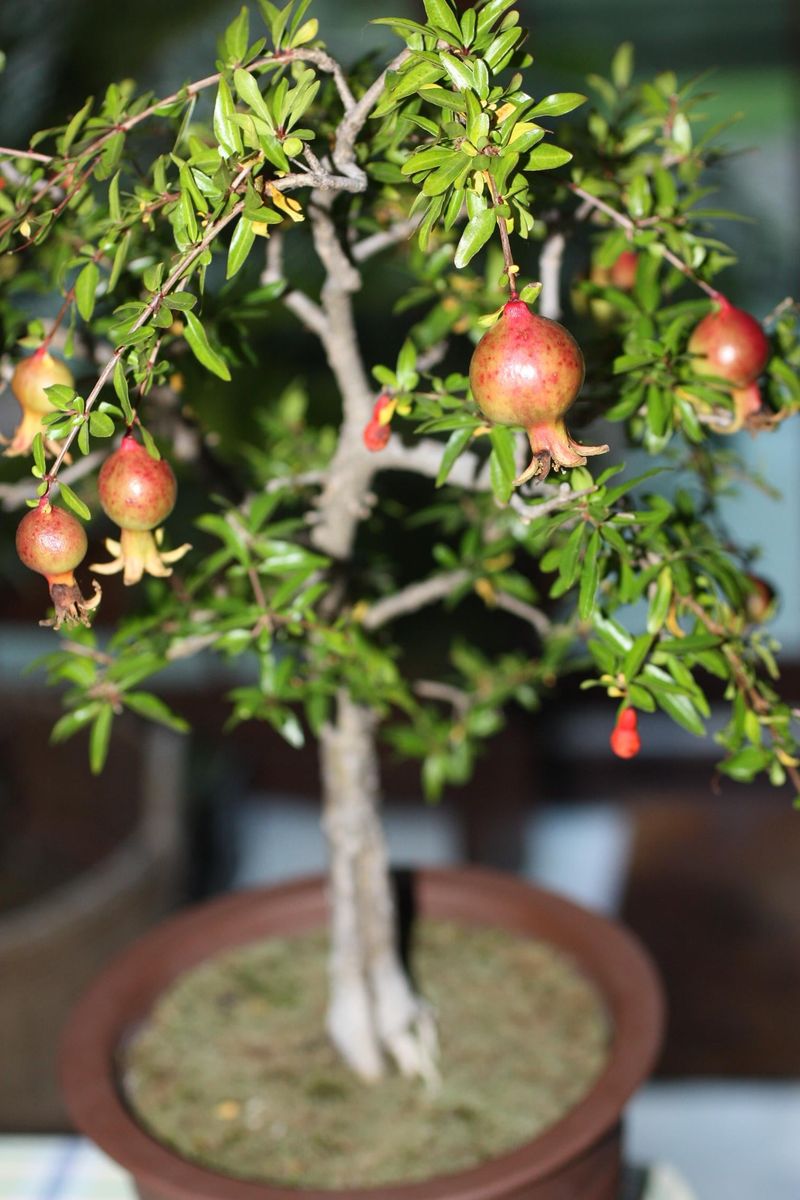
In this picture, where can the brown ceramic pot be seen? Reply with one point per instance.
(576, 1159)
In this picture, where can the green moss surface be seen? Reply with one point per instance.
(234, 1069)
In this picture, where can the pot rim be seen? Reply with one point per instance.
(127, 988)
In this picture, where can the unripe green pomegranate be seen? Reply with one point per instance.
(729, 344)
(527, 370)
(137, 492)
(53, 543)
(30, 378)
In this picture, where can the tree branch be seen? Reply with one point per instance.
(329, 65)
(526, 612)
(376, 242)
(550, 261)
(344, 148)
(415, 596)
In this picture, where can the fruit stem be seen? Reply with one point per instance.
(511, 268)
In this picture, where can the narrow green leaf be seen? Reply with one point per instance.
(85, 289)
(476, 234)
(622, 65)
(459, 72)
(226, 130)
(490, 13)
(440, 13)
(74, 502)
(545, 157)
(556, 105)
(204, 353)
(456, 444)
(75, 125)
(660, 601)
(569, 559)
(250, 92)
(147, 705)
(241, 244)
(99, 738)
(590, 573)
(636, 655)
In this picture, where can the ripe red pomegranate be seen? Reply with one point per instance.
(377, 431)
(138, 492)
(527, 370)
(729, 344)
(625, 740)
(52, 542)
(30, 378)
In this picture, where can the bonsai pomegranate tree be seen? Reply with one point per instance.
(173, 228)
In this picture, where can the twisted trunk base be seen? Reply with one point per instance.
(374, 1014)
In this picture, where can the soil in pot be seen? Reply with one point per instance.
(233, 1069)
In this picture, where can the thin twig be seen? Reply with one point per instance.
(628, 223)
(511, 268)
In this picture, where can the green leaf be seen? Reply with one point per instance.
(37, 449)
(590, 573)
(459, 73)
(746, 764)
(622, 65)
(445, 176)
(440, 13)
(74, 502)
(197, 338)
(490, 13)
(241, 244)
(476, 234)
(545, 157)
(502, 467)
(85, 289)
(636, 655)
(99, 738)
(660, 601)
(147, 705)
(456, 444)
(226, 130)
(74, 126)
(569, 560)
(250, 92)
(556, 105)
(101, 425)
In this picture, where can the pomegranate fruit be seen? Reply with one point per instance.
(625, 740)
(760, 600)
(527, 370)
(377, 431)
(52, 542)
(729, 344)
(622, 274)
(30, 378)
(137, 492)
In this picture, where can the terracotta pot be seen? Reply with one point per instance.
(576, 1159)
